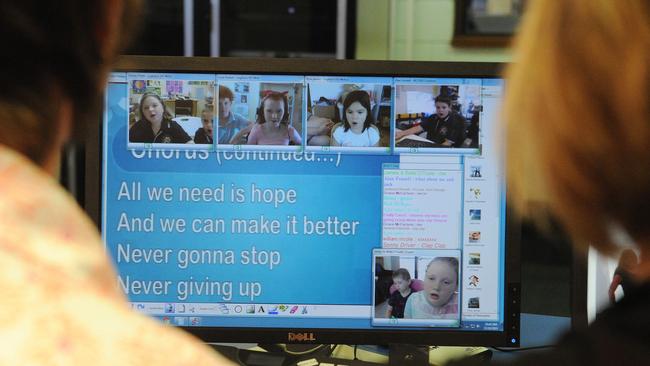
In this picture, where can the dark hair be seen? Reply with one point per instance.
(274, 96)
(451, 261)
(48, 58)
(363, 98)
(225, 92)
(443, 99)
(166, 114)
(402, 272)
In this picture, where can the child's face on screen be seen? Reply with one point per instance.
(224, 107)
(442, 109)
(206, 120)
(152, 110)
(440, 283)
(356, 115)
(401, 283)
(273, 111)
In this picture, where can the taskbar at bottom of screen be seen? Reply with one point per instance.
(188, 320)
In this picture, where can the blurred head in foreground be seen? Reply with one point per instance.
(53, 70)
(578, 118)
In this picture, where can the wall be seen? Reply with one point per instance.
(418, 30)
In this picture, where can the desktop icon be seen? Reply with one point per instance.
(238, 309)
(195, 320)
(476, 192)
(180, 321)
(166, 320)
(473, 281)
(261, 310)
(169, 308)
(250, 309)
(224, 309)
(293, 309)
(475, 215)
(273, 310)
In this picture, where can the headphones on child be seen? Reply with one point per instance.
(270, 94)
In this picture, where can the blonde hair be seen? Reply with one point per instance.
(578, 116)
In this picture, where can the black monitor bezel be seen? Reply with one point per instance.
(440, 337)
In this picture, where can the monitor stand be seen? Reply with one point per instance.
(407, 355)
(274, 355)
(398, 354)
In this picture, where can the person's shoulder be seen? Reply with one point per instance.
(139, 125)
(457, 117)
(428, 119)
(414, 297)
(139, 132)
(173, 124)
(414, 302)
(591, 347)
(617, 337)
(200, 136)
(409, 300)
(630, 315)
(177, 130)
(238, 119)
(338, 128)
(126, 335)
(373, 131)
(256, 128)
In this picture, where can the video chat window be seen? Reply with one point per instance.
(349, 114)
(416, 288)
(170, 109)
(432, 114)
(256, 111)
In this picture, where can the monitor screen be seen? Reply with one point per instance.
(288, 201)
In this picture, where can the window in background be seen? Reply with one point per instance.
(278, 28)
(247, 28)
(160, 30)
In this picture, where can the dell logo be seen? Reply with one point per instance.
(301, 337)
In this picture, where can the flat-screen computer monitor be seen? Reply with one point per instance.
(357, 202)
